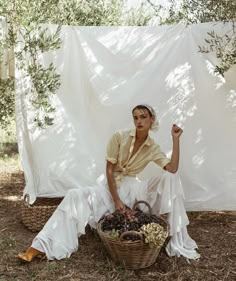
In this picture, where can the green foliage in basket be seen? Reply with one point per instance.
(154, 234)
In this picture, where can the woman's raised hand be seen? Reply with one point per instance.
(176, 131)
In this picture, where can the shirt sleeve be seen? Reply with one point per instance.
(160, 158)
(113, 148)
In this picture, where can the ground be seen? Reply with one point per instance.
(215, 233)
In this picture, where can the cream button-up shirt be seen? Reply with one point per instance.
(119, 151)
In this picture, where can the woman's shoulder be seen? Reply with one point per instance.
(152, 142)
(125, 132)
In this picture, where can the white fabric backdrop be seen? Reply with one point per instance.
(106, 71)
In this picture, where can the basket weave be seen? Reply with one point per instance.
(34, 216)
(131, 254)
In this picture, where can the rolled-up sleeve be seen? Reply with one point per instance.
(113, 147)
(160, 158)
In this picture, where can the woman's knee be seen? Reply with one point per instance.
(72, 193)
(167, 174)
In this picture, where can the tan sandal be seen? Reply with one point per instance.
(30, 254)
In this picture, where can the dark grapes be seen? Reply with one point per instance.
(126, 220)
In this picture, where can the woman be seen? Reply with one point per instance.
(130, 177)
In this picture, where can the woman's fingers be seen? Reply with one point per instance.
(176, 130)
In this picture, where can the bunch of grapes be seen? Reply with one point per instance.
(121, 220)
(127, 220)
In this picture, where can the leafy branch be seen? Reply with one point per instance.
(7, 99)
(200, 11)
(26, 17)
(45, 80)
(224, 47)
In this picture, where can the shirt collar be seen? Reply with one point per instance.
(147, 142)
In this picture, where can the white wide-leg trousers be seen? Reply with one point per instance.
(86, 205)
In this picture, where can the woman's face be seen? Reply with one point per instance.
(142, 119)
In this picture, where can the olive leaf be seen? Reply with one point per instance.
(27, 18)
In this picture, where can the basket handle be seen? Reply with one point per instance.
(144, 202)
(130, 232)
(167, 224)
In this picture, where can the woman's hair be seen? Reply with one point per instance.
(152, 113)
(147, 107)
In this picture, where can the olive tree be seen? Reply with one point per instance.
(200, 11)
(26, 18)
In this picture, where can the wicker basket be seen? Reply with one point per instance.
(35, 215)
(131, 254)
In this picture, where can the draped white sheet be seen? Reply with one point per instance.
(105, 72)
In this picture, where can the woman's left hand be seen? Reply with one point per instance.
(119, 205)
(176, 131)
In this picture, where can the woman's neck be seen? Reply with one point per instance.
(141, 136)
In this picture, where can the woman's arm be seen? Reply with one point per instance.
(112, 186)
(172, 167)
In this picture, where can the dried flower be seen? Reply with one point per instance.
(154, 234)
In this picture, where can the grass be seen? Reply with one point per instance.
(8, 146)
(8, 142)
(9, 164)
(8, 135)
